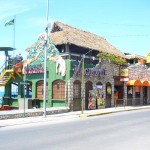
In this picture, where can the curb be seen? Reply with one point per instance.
(115, 111)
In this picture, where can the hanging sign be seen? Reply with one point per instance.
(124, 72)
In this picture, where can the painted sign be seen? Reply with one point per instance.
(124, 72)
(31, 69)
(92, 100)
(90, 72)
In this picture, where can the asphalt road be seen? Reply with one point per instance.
(120, 131)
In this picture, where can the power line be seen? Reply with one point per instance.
(130, 35)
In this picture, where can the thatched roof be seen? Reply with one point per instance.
(63, 34)
(134, 56)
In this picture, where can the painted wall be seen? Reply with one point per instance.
(51, 77)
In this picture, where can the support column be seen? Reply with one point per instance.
(67, 49)
(33, 90)
(70, 95)
(112, 95)
(141, 96)
(104, 90)
(133, 99)
(125, 94)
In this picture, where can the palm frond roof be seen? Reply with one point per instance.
(64, 34)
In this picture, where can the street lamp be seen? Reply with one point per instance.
(45, 60)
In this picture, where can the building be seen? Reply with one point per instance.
(71, 53)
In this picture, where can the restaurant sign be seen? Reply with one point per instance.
(124, 72)
(31, 69)
(90, 72)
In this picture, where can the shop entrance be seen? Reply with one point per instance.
(118, 92)
(88, 87)
(77, 95)
(118, 95)
(108, 95)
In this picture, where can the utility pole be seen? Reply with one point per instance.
(45, 60)
(83, 56)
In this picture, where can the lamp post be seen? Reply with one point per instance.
(82, 89)
(45, 60)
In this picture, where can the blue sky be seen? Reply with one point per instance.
(124, 23)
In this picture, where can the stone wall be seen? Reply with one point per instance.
(111, 70)
(31, 113)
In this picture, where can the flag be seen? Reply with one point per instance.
(10, 22)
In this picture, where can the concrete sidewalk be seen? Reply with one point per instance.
(66, 116)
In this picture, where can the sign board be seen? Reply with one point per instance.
(91, 72)
(124, 72)
(31, 69)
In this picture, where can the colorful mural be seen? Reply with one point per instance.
(35, 57)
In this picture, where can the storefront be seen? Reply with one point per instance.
(101, 86)
(138, 86)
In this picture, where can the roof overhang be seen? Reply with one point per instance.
(6, 49)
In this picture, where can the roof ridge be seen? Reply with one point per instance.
(64, 24)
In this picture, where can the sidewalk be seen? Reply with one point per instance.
(67, 116)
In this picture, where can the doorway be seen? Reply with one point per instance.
(88, 87)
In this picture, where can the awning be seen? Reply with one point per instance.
(138, 83)
(134, 83)
(145, 83)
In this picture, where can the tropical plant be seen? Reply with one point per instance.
(111, 57)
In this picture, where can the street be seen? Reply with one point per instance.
(119, 131)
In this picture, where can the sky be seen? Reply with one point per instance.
(123, 23)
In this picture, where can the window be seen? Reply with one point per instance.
(58, 89)
(40, 90)
(137, 91)
(129, 91)
(77, 89)
(14, 90)
(28, 90)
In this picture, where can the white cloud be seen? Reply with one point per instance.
(11, 8)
